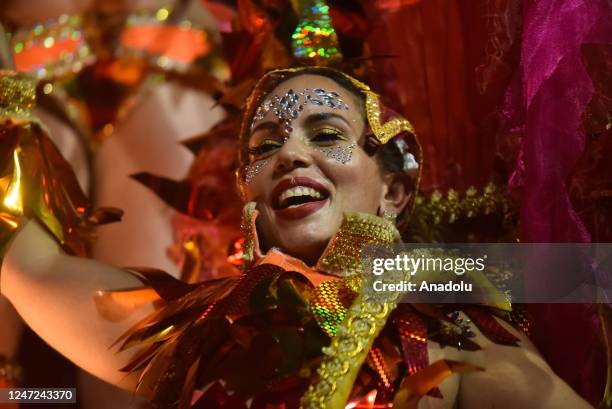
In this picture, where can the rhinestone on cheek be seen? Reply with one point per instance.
(342, 154)
(252, 170)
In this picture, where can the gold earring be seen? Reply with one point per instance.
(390, 216)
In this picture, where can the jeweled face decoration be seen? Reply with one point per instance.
(286, 109)
(306, 167)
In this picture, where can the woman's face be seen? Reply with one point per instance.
(306, 173)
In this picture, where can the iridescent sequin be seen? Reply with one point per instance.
(315, 38)
(327, 306)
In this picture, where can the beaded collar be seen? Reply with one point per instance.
(342, 256)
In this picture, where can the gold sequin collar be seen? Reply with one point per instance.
(342, 256)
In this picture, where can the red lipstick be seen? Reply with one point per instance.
(303, 210)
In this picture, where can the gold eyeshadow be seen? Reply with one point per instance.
(257, 149)
(328, 131)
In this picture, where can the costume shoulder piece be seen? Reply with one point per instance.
(272, 337)
(36, 182)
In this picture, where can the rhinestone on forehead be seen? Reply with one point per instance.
(287, 107)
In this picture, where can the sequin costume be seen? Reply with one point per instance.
(235, 339)
(267, 335)
(270, 336)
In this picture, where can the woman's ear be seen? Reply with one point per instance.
(396, 193)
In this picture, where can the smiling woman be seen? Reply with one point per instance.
(325, 169)
(309, 156)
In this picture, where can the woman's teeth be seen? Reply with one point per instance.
(299, 194)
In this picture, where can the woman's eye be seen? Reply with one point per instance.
(264, 148)
(327, 136)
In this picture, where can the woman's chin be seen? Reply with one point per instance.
(304, 236)
(307, 241)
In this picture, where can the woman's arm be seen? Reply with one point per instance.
(55, 294)
(514, 377)
(10, 329)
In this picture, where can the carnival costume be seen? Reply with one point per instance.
(266, 335)
(270, 324)
(263, 337)
(271, 337)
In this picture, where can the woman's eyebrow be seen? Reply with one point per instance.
(268, 125)
(323, 116)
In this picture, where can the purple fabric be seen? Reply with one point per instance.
(544, 106)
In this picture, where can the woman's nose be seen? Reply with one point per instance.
(295, 153)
